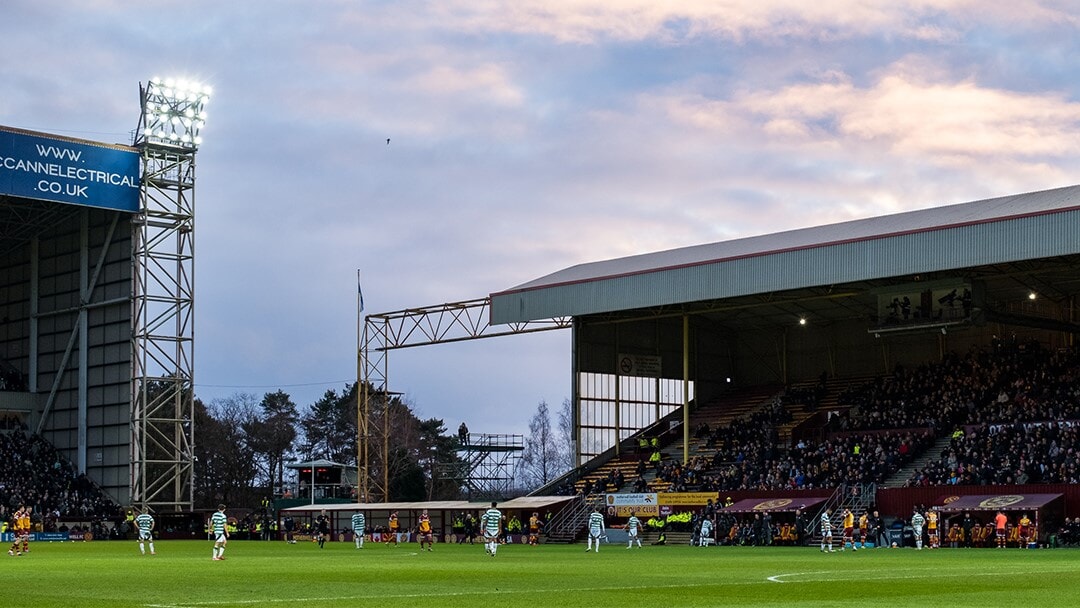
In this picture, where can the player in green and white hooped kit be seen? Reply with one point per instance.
(596, 529)
(917, 521)
(358, 523)
(491, 523)
(706, 532)
(633, 526)
(221, 535)
(826, 531)
(145, 523)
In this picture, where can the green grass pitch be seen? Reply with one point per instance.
(182, 575)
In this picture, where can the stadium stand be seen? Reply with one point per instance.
(1006, 414)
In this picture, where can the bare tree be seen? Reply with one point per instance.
(543, 459)
(226, 467)
(565, 436)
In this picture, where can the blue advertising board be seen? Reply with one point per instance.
(9, 537)
(67, 171)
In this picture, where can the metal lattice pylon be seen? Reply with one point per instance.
(163, 254)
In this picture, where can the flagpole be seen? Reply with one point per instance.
(361, 400)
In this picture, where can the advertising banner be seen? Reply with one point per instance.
(65, 171)
(641, 511)
(687, 499)
(9, 537)
(631, 500)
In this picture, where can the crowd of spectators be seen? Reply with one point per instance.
(747, 457)
(1025, 432)
(35, 474)
(851, 459)
(1003, 384)
(1019, 453)
(1017, 401)
(895, 418)
(612, 482)
(1068, 534)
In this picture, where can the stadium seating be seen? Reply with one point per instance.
(34, 473)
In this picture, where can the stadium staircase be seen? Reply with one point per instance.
(719, 413)
(900, 478)
(803, 418)
(568, 524)
(856, 497)
(678, 538)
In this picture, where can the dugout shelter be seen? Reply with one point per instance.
(1045, 510)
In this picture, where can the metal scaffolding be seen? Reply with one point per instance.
(490, 461)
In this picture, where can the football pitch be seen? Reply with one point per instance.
(182, 575)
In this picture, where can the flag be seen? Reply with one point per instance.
(359, 293)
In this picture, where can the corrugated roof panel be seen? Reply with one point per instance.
(1018, 227)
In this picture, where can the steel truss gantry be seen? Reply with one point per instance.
(439, 324)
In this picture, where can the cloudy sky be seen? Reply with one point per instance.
(528, 136)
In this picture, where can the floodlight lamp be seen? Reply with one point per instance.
(802, 320)
(1032, 296)
(174, 111)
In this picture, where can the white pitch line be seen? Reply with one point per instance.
(845, 575)
(840, 575)
(776, 577)
(212, 603)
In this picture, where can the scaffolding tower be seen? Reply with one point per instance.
(488, 462)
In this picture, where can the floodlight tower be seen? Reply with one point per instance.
(163, 253)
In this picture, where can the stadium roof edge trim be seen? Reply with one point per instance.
(76, 140)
